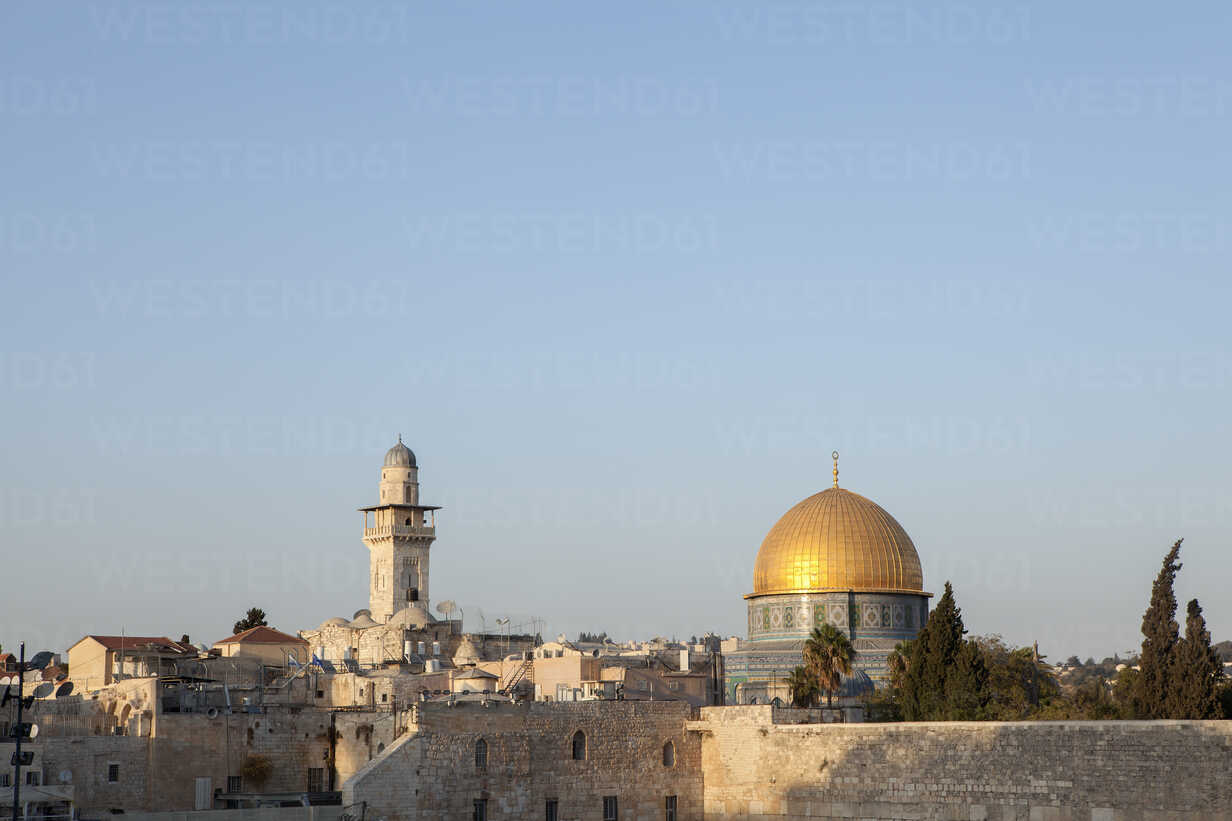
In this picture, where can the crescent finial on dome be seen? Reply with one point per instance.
(834, 456)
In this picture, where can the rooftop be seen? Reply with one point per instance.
(262, 635)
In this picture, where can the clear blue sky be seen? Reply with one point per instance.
(622, 276)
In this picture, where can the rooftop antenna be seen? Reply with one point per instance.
(834, 456)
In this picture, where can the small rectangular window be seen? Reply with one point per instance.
(669, 813)
(4, 780)
(320, 694)
(481, 810)
(610, 810)
(113, 773)
(34, 778)
(235, 783)
(552, 810)
(316, 779)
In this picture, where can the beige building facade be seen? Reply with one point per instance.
(97, 661)
(267, 645)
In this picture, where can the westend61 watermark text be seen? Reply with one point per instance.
(191, 573)
(787, 160)
(254, 160)
(63, 507)
(1145, 372)
(563, 233)
(873, 23)
(196, 434)
(45, 234)
(878, 299)
(951, 434)
(43, 371)
(255, 23)
(24, 96)
(253, 298)
(1183, 232)
(563, 95)
(1184, 96)
(571, 370)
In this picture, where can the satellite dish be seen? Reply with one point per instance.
(446, 607)
(43, 690)
(66, 776)
(5, 681)
(33, 731)
(40, 660)
(359, 613)
(212, 712)
(64, 689)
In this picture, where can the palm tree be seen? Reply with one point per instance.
(898, 661)
(803, 687)
(827, 655)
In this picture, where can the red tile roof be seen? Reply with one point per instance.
(263, 635)
(140, 642)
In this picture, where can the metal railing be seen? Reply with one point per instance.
(399, 530)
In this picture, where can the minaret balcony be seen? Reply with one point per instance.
(399, 531)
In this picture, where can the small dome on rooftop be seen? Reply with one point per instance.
(411, 618)
(399, 456)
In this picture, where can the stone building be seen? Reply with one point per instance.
(493, 761)
(181, 743)
(837, 558)
(266, 644)
(97, 661)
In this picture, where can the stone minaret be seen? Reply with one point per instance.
(398, 532)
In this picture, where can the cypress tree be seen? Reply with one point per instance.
(966, 687)
(1151, 697)
(1197, 671)
(933, 655)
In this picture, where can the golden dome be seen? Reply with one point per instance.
(837, 540)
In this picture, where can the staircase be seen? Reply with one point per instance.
(523, 669)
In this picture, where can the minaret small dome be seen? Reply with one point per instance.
(399, 456)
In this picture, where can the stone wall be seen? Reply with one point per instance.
(158, 770)
(756, 765)
(432, 772)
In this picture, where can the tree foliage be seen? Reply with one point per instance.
(898, 661)
(257, 769)
(827, 656)
(939, 654)
(1197, 671)
(942, 675)
(1160, 633)
(803, 687)
(255, 617)
(1019, 681)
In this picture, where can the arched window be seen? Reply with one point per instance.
(481, 755)
(579, 746)
(408, 520)
(669, 754)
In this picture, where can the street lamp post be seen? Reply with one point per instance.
(18, 731)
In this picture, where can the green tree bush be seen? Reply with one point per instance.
(255, 617)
